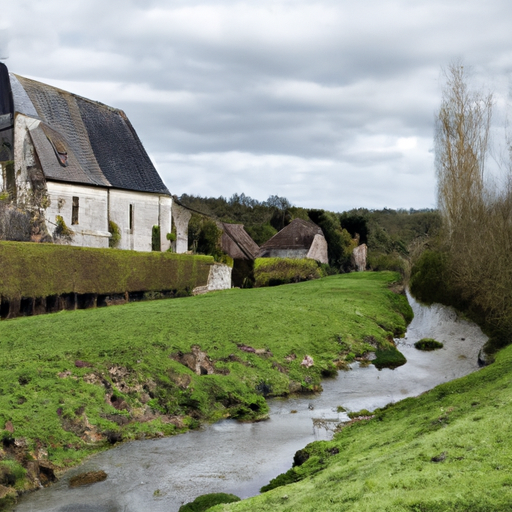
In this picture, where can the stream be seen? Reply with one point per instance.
(162, 474)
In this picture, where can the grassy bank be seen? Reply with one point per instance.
(447, 450)
(73, 382)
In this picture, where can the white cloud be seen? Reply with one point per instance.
(329, 102)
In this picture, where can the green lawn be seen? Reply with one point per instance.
(70, 381)
(447, 450)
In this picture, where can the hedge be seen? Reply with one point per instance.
(275, 271)
(41, 270)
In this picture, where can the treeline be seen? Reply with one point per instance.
(391, 235)
(470, 264)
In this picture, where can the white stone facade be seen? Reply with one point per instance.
(136, 213)
(86, 210)
(90, 223)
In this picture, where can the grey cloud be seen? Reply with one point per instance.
(270, 97)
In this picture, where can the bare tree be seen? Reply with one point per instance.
(477, 217)
(461, 146)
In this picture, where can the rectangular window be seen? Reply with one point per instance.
(74, 211)
(131, 218)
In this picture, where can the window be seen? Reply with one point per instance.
(131, 218)
(74, 211)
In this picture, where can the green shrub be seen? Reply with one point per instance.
(115, 233)
(12, 472)
(275, 271)
(381, 261)
(155, 239)
(208, 241)
(357, 414)
(62, 230)
(428, 344)
(207, 501)
(225, 259)
(389, 357)
(429, 278)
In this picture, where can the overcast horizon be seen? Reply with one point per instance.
(328, 103)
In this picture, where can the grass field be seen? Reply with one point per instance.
(447, 450)
(73, 381)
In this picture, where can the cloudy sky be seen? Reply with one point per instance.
(329, 103)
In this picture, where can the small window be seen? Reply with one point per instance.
(74, 211)
(131, 218)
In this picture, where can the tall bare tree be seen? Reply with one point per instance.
(477, 217)
(461, 147)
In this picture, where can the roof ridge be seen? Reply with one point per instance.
(74, 95)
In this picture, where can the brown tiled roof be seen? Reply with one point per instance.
(299, 234)
(98, 145)
(237, 243)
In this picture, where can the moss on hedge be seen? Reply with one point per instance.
(41, 270)
(275, 271)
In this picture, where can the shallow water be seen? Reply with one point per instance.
(160, 475)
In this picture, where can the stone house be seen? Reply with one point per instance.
(78, 166)
(300, 239)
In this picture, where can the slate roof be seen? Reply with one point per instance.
(299, 234)
(237, 242)
(83, 141)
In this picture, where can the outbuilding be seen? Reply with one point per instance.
(299, 239)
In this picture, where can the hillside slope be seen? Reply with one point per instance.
(447, 450)
(75, 382)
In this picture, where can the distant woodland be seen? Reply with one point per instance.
(391, 235)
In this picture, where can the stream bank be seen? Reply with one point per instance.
(240, 458)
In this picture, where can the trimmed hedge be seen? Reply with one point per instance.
(41, 270)
(275, 271)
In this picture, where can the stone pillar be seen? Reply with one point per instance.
(181, 216)
(359, 257)
(165, 220)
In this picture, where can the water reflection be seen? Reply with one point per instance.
(160, 475)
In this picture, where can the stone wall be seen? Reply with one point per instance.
(218, 279)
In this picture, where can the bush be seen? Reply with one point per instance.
(381, 261)
(428, 344)
(62, 230)
(209, 239)
(429, 278)
(389, 358)
(275, 271)
(358, 414)
(207, 501)
(155, 239)
(115, 233)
